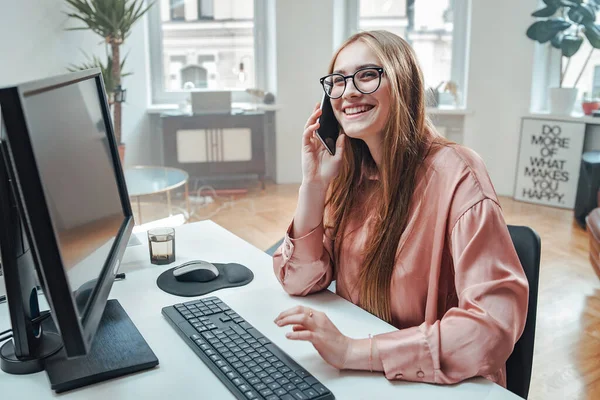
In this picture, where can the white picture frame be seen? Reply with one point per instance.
(549, 161)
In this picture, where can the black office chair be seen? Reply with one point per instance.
(518, 366)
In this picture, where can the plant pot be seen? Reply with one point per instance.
(562, 100)
(589, 107)
(122, 154)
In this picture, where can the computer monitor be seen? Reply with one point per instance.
(65, 213)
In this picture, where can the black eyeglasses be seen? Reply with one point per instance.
(366, 80)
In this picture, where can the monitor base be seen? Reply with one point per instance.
(118, 349)
(50, 344)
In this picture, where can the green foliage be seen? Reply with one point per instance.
(111, 19)
(106, 69)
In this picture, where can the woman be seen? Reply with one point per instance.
(409, 226)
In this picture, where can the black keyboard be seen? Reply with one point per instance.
(240, 356)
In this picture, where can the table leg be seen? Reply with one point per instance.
(139, 209)
(169, 202)
(187, 200)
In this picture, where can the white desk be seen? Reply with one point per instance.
(182, 374)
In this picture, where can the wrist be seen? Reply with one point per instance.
(358, 354)
(313, 186)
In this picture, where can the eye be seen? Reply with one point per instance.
(367, 74)
(338, 80)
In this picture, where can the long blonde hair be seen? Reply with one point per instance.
(405, 145)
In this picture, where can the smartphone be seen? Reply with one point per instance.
(329, 128)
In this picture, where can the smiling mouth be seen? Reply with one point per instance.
(358, 109)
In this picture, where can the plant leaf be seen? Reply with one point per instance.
(543, 31)
(582, 14)
(592, 33)
(556, 41)
(545, 12)
(570, 45)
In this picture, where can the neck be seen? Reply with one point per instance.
(375, 146)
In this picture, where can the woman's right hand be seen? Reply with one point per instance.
(318, 166)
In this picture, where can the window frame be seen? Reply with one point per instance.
(264, 12)
(460, 42)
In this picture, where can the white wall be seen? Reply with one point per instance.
(304, 48)
(35, 45)
(499, 84)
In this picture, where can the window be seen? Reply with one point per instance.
(429, 27)
(203, 44)
(589, 81)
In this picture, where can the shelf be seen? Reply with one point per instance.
(569, 118)
(448, 111)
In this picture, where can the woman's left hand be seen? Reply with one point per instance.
(315, 327)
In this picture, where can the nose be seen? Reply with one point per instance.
(351, 90)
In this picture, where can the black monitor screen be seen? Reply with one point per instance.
(72, 152)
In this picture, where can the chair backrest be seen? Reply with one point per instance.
(518, 366)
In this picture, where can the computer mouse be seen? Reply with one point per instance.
(195, 271)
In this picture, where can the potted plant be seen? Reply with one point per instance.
(113, 21)
(566, 24)
(106, 69)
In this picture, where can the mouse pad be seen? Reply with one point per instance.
(230, 275)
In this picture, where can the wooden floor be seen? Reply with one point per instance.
(567, 349)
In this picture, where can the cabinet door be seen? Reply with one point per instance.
(214, 145)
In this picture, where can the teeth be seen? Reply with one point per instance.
(356, 110)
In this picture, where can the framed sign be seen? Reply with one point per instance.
(549, 160)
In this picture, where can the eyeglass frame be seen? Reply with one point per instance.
(380, 70)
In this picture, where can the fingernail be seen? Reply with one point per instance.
(288, 335)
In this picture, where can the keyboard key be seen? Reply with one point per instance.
(251, 341)
(273, 359)
(265, 364)
(237, 381)
(215, 357)
(262, 374)
(218, 345)
(238, 330)
(256, 345)
(238, 320)
(291, 375)
(272, 397)
(245, 359)
(302, 373)
(230, 312)
(237, 365)
(244, 324)
(205, 347)
(277, 364)
(282, 380)
(232, 360)
(253, 355)
(251, 364)
(235, 349)
(256, 369)
(271, 370)
(260, 386)
(286, 397)
(204, 319)
(227, 354)
(243, 370)
(232, 375)
(195, 337)
(225, 341)
(254, 380)
(238, 341)
(266, 392)
(268, 380)
(209, 335)
(320, 388)
(226, 369)
(274, 385)
(263, 340)
(245, 346)
(244, 388)
(213, 341)
(289, 386)
(209, 352)
(251, 394)
(280, 391)
(220, 363)
(211, 326)
(298, 395)
(311, 393)
(246, 336)
(311, 380)
(248, 375)
(221, 336)
(297, 380)
(223, 307)
(303, 386)
(284, 370)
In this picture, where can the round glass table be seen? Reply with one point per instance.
(147, 180)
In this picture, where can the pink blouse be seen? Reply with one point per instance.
(458, 293)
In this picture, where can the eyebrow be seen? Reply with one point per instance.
(341, 71)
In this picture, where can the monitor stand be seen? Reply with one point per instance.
(118, 349)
